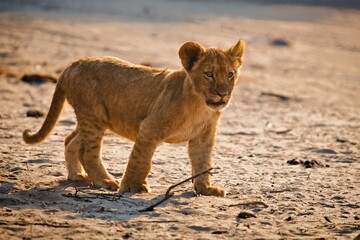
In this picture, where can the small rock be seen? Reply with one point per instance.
(127, 235)
(294, 162)
(244, 215)
(305, 164)
(325, 150)
(280, 42)
(309, 164)
(34, 113)
(341, 140)
(37, 79)
(289, 218)
(218, 232)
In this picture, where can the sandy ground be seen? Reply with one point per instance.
(315, 119)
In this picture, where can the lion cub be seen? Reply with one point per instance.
(147, 106)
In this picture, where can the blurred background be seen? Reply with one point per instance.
(286, 39)
(180, 9)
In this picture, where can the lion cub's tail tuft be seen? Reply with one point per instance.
(55, 110)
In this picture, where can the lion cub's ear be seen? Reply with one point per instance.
(190, 53)
(236, 51)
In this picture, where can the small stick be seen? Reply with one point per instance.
(327, 219)
(281, 97)
(107, 196)
(283, 131)
(252, 203)
(159, 221)
(27, 166)
(169, 194)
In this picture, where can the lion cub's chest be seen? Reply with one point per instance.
(189, 129)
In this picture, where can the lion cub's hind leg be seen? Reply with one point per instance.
(74, 167)
(90, 141)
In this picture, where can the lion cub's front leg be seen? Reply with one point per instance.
(138, 167)
(200, 150)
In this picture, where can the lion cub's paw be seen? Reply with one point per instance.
(108, 183)
(134, 187)
(211, 191)
(79, 177)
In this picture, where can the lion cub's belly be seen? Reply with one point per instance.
(127, 131)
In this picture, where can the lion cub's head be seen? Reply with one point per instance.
(213, 71)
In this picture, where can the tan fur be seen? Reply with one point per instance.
(146, 105)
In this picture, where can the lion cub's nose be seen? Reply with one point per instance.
(222, 92)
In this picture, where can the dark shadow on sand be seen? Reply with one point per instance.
(84, 200)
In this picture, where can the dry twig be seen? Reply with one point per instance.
(169, 194)
(106, 196)
(281, 131)
(251, 203)
(279, 96)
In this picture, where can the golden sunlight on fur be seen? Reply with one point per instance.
(146, 105)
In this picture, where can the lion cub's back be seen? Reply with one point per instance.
(108, 75)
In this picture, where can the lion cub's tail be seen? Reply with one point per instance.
(55, 110)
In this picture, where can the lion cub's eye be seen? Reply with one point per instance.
(209, 74)
(230, 75)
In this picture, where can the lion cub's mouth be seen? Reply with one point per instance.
(216, 105)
